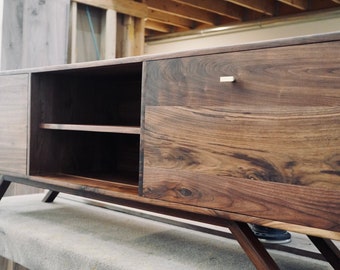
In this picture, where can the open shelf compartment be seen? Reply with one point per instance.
(86, 123)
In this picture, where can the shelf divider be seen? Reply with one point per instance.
(92, 128)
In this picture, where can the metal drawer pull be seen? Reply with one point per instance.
(227, 79)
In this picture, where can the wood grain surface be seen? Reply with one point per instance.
(34, 33)
(86, 123)
(13, 123)
(266, 145)
(306, 206)
(296, 145)
(301, 75)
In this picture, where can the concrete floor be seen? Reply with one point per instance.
(70, 234)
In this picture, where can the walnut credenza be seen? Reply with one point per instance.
(228, 136)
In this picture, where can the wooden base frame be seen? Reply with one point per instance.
(328, 250)
(240, 230)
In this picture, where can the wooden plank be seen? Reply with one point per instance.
(159, 27)
(306, 206)
(297, 146)
(12, 38)
(127, 7)
(266, 7)
(109, 34)
(13, 123)
(159, 206)
(139, 36)
(128, 36)
(283, 76)
(41, 45)
(300, 4)
(170, 19)
(92, 128)
(73, 33)
(117, 183)
(182, 11)
(223, 8)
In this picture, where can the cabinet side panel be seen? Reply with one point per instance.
(13, 123)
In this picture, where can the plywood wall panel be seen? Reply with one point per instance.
(34, 33)
(11, 54)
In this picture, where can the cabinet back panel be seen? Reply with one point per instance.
(87, 100)
(98, 155)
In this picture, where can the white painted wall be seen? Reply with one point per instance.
(250, 32)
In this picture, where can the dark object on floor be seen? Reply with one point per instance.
(270, 235)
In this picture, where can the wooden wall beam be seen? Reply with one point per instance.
(127, 7)
(139, 36)
(73, 33)
(300, 4)
(170, 19)
(222, 8)
(109, 34)
(266, 7)
(159, 27)
(183, 11)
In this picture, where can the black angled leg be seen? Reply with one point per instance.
(328, 250)
(50, 196)
(3, 186)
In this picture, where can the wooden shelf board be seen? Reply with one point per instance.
(92, 128)
(116, 184)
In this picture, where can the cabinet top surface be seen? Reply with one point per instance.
(138, 60)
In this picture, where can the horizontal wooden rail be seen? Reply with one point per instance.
(127, 7)
(92, 128)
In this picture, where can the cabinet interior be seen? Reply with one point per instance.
(86, 123)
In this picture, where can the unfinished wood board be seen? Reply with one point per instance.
(34, 33)
(13, 122)
(45, 32)
(109, 26)
(12, 43)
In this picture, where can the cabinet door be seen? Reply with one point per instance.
(13, 123)
(266, 145)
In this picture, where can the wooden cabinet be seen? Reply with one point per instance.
(13, 123)
(234, 135)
